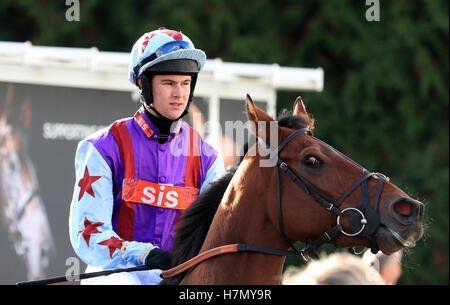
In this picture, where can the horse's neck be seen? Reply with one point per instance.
(242, 218)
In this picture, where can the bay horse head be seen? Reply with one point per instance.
(327, 197)
(290, 187)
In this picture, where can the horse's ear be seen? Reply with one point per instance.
(261, 124)
(256, 114)
(300, 111)
(299, 108)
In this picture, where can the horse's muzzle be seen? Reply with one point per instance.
(401, 225)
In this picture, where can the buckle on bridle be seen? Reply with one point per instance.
(363, 222)
(283, 166)
(305, 256)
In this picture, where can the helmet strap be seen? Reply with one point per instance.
(150, 106)
(146, 89)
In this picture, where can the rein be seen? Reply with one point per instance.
(232, 248)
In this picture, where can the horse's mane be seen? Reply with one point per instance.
(196, 220)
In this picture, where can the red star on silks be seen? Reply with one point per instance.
(85, 184)
(89, 228)
(113, 243)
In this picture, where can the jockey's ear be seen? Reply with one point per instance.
(261, 124)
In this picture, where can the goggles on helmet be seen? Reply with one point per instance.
(172, 47)
(166, 48)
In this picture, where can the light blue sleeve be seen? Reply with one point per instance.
(216, 170)
(90, 227)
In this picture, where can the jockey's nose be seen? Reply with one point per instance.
(177, 90)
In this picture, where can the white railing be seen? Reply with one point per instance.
(19, 54)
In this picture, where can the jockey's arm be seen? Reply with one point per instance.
(90, 227)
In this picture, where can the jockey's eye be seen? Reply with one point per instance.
(312, 161)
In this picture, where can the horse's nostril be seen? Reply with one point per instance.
(407, 210)
(403, 208)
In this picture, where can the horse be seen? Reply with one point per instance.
(21, 205)
(310, 193)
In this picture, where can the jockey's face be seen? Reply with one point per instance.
(171, 94)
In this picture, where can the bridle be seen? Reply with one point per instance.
(363, 220)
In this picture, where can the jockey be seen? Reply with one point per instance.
(134, 178)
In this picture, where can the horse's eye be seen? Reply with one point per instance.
(312, 162)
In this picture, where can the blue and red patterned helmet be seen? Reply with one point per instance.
(161, 46)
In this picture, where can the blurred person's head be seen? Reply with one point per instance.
(335, 269)
(389, 266)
